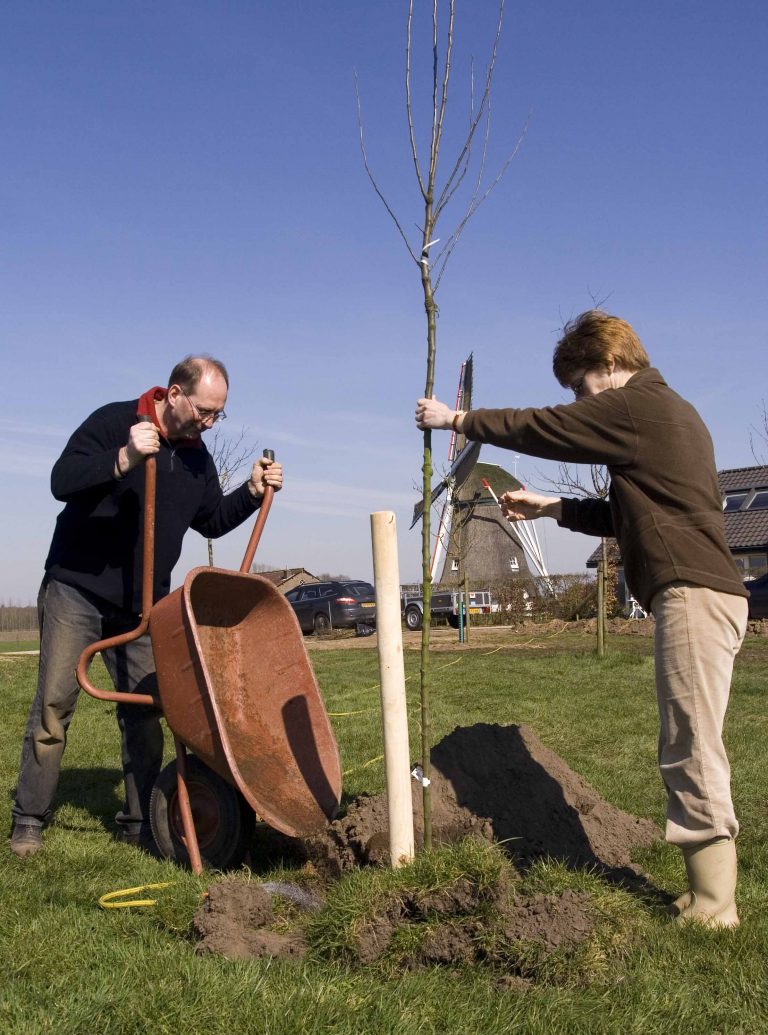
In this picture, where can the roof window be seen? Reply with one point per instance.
(733, 501)
(759, 501)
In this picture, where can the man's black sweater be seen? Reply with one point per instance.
(98, 541)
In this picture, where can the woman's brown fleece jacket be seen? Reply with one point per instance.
(665, 507)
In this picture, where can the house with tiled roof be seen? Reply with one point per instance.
(288, 578)
(745, 507)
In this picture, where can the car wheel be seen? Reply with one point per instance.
(322, 624)
(453, 621)
(224, 822)
(413, 618)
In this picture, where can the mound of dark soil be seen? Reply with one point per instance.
(502, 783)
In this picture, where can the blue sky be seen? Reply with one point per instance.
(185, 176)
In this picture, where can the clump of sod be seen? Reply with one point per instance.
(466, 905)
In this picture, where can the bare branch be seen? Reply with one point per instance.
(434, 94)
(439, 113)
(447, 194)
(569, 479)
(478, 116)
(451, 241)
(375, 185)
(598, 301)
(408, 107)
(600, 480)
(758, 438)
(476, 203)
(230, 454)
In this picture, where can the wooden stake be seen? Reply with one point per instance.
(397, 759)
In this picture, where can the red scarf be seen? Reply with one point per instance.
(146, 408)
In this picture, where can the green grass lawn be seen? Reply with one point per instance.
(9, 646)
(68, 966)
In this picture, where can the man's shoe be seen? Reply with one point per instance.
(26, 839)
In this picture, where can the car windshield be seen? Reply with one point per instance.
(358, 589)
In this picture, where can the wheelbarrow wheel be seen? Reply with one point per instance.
(224, 821)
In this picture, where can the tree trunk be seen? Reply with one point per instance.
(426, 722)
(601, 599)
(466, 607)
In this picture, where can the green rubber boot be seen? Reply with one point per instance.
(684, 900)
(711, 869)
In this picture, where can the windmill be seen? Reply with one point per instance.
(464, 500)
(525, 533)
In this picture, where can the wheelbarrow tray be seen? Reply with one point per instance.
(237, 688)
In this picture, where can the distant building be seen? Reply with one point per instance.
(481, 542)
(286, 579)
(745, 505)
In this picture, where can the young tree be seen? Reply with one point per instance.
(465, 179)
(229, 455)
(569, 480)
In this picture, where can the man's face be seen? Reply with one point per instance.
(188, 415)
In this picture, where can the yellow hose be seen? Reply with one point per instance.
(108, 901)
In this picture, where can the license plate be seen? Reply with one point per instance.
(371, 604)
(474, 610)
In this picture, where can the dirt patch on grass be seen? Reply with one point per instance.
(456, 925)
(464, 925)
(502, 783)
(496, 782)
(234, 921)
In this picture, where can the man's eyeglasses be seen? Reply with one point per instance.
(204, 415)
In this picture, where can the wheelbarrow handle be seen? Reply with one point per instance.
(261, 519)
(148, 575)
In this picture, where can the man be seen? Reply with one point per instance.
(665, 510)
(93, 575)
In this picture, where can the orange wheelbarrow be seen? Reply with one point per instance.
(237, 689)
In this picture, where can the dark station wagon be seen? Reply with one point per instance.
(323, 606)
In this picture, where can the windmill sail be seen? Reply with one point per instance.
(529, 540)
(463, 402)
(458, 473)
(463, 457)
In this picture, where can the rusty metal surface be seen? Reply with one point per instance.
(81, 671)
(237, 687)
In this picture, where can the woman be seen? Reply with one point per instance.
(665, 510)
